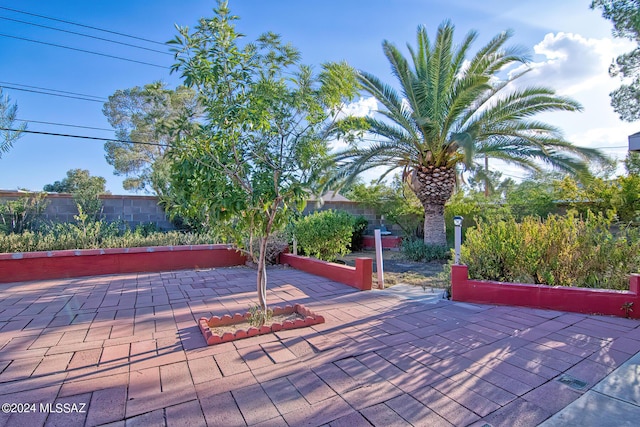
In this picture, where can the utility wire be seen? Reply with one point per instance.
(86, 35)
(81, 25)
(84, 137)
(64, 124)
(84, 51)
(52, 94)
(54, 90)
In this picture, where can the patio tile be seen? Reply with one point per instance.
(106, 405)
(518, 413)
(131, 342)
(444, 406)
(381, 415)
(415, 412)
(188, 414)
(254, 404)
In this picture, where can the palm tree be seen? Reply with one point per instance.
(451, 112)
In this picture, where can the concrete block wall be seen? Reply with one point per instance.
(137, 210)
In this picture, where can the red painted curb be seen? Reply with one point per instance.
(20, 267)
(211, 338)
(576, 300)
(359, 277)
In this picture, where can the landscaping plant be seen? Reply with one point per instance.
(559, 251)
(247, 165)
(325, 234)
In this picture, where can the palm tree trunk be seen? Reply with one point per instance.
(434, 225)
(433, 186)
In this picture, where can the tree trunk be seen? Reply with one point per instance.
(434, 226)
(262, 277)
(433, 186)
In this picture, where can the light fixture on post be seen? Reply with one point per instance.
(457, 237)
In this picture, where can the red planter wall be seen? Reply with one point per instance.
(18, 267)
(388, 242)
(577, 300)
(358, 277)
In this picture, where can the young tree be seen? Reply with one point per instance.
(146, 114)
(263, 136)
(452, 112)
(7, 118)
(85, 189)
(625, 16)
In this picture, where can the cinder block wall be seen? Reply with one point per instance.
(133, 209)
(137, 210)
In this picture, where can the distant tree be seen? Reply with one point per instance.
(246, 167)
(85, 189)
(146, 114)
(8, 113)
(632, 163)
(625, 16)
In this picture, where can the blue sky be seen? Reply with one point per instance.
(570, 45)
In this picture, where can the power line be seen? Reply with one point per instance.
(54, 90)
(52, 94)
(64, 124)
(84, 137)
(82, 25)
(83, 50)
(85, 35)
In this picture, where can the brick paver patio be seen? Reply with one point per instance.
(129, 349)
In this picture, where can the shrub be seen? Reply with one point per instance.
(416, 250)
(560, 251)
(359, 227)
(325, 234)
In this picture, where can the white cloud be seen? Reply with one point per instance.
(571, 63)
(363, 107)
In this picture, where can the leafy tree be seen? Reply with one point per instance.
(146, 114)
(450, 113)
(248, 163)
(7, 118)
(85, 189)
(632, 163)
(625, 16)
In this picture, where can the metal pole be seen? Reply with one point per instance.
(295, 246)
(457, 237)
(379, 267)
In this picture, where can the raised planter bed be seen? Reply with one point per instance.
(359, 277)
(212, 338)
(18, 267)
(562, 298)
(388, 242)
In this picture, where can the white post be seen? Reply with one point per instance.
(295, 246)
(379, 266)
(457, 238)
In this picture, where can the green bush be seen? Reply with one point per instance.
(416, 250)
(325, 235)
(359, 227)
(560, 251)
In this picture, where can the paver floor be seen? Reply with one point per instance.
(125, 351)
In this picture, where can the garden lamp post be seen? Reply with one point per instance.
(457, 237)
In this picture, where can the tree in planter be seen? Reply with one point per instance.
(263, 138)
(452, 113)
